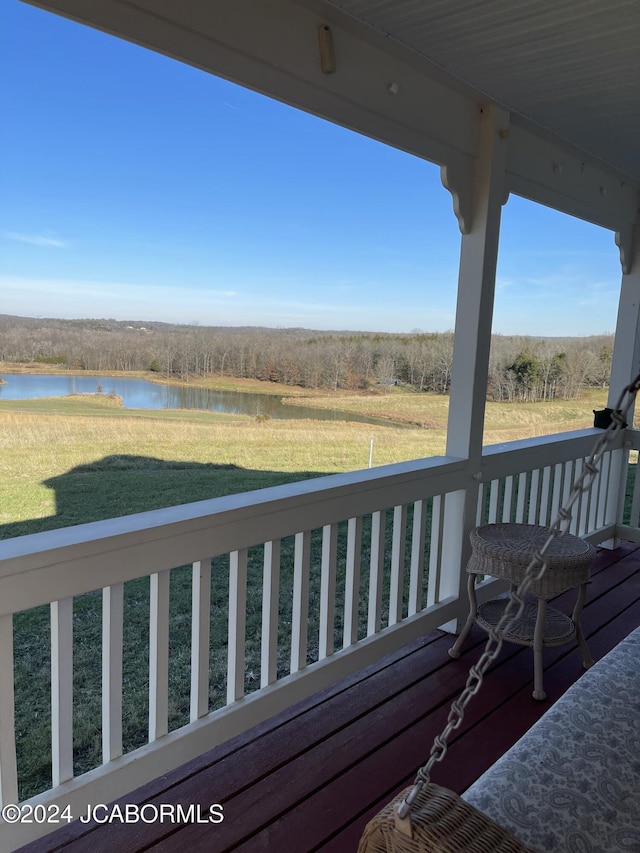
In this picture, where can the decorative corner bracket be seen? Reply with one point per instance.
(458, 179)
(624, 241)
(458, 175)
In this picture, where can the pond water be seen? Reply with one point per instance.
(140, 394)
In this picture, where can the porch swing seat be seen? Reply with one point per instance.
(443, 823)
(571, 783)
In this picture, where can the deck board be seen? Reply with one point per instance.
(311, 778)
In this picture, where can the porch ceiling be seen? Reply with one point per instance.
(569, 66)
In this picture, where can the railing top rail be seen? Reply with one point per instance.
(499, 460)
(633, 437)
(47, 566)
(556, 438)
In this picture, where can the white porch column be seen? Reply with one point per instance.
(474, 312)
(625, 363)
(626, 347)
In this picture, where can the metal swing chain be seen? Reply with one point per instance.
(515, 606)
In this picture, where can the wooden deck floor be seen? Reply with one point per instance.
(311, 778)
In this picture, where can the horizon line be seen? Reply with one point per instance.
(144, 324)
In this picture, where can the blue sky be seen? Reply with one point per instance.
(138, 188)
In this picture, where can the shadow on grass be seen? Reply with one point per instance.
(115, 486)
(124, 484)
(119, 485)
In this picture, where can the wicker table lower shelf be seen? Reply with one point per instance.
(558, 627)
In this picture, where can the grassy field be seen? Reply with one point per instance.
(54, 450)
(68, 460)
(55, 454)
(503, 421)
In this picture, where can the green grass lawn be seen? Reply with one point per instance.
(55, 451)
(65, 461)
(70, 460)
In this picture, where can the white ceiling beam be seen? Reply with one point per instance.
(554, 174)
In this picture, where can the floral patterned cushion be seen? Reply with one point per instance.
(572, 783)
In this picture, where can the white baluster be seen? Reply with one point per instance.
(396, 588)
(300, 611)
(159, 655)
(416, 570)
(112, 629)
(8, 769)
(61, 691)
(237, 624)
(352, 582)
(376, 565)
(200, 631)
(270, 593)
(328, 590)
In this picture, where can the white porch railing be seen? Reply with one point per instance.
(528, 481)
(358, 558)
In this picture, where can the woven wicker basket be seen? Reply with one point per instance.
(441, 822)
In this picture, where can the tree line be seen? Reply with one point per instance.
(520, 369)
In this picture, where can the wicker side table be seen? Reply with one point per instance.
(505, 551)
